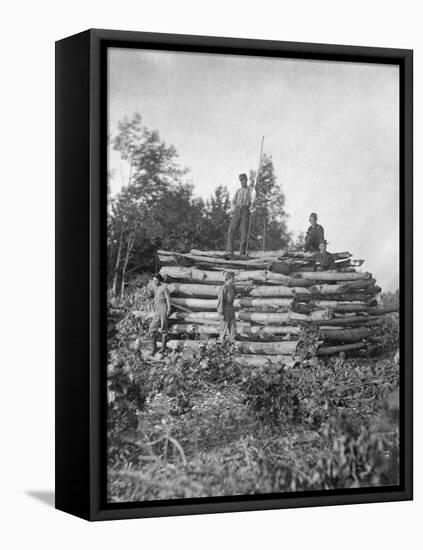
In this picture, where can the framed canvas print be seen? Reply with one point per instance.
(233, 274)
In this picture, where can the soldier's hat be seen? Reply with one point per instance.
(323, 241)
(243, 176)
(313, 215)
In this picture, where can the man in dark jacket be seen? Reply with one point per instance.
(324, 258)
(315, 234)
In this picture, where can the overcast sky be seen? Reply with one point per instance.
(331, 129)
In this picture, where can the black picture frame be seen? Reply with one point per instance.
(81, 171)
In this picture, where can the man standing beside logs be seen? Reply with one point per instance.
(162, 307)
(314, 236)
(225, 308)
(241, 204)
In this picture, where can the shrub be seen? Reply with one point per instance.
(389, 332)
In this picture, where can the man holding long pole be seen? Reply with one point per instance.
(242, 202)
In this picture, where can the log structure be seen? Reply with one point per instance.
(279, 294)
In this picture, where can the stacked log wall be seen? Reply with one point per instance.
(278, 294)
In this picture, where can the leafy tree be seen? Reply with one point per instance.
(299, 241)
(269, 220)
(153, 165)
(218, 209)
(156, 209)
(390, 297)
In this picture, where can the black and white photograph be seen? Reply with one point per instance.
(253, 275)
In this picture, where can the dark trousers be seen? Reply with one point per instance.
(240, 219)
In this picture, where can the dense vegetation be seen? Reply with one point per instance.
(197, 425)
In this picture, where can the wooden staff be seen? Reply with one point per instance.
(253, 195)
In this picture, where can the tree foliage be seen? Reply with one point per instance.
(269, 229)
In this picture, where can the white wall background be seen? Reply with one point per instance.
(27, 37)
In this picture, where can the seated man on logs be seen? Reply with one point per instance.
(315, 234)
(225, 308)
(162, 307)
(241, 203)
(324, 258)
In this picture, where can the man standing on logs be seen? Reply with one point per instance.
(241, 204)
(162, 307)
(315, 234)
(225, 308)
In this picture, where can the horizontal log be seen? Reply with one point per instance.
(167, 261)
(350, 320)
(251, 253)
(186, 260)
(282, 253)
(368, 299)
(197, 304)
(280, 304)
(244, 331)
(289, 318)
(279, 291)
(254, 361)
(332, 276)
(260, 253)
(305, 269)
(360, 284)
(291, 253)
(266, 348)
(287, 281)
(201, 290)
(349, 263)
(223, 255)
(229, 264)
(202, 304)
(340, 306)
(165, 252)
(301, 254)
(371, 322)
(174, 259)
(347, 335)
(197, 290)
(345, 348)
(383, 310)
(194, 275)
(341, 255)
(267, 276)
(346, 297)
(202, 317)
